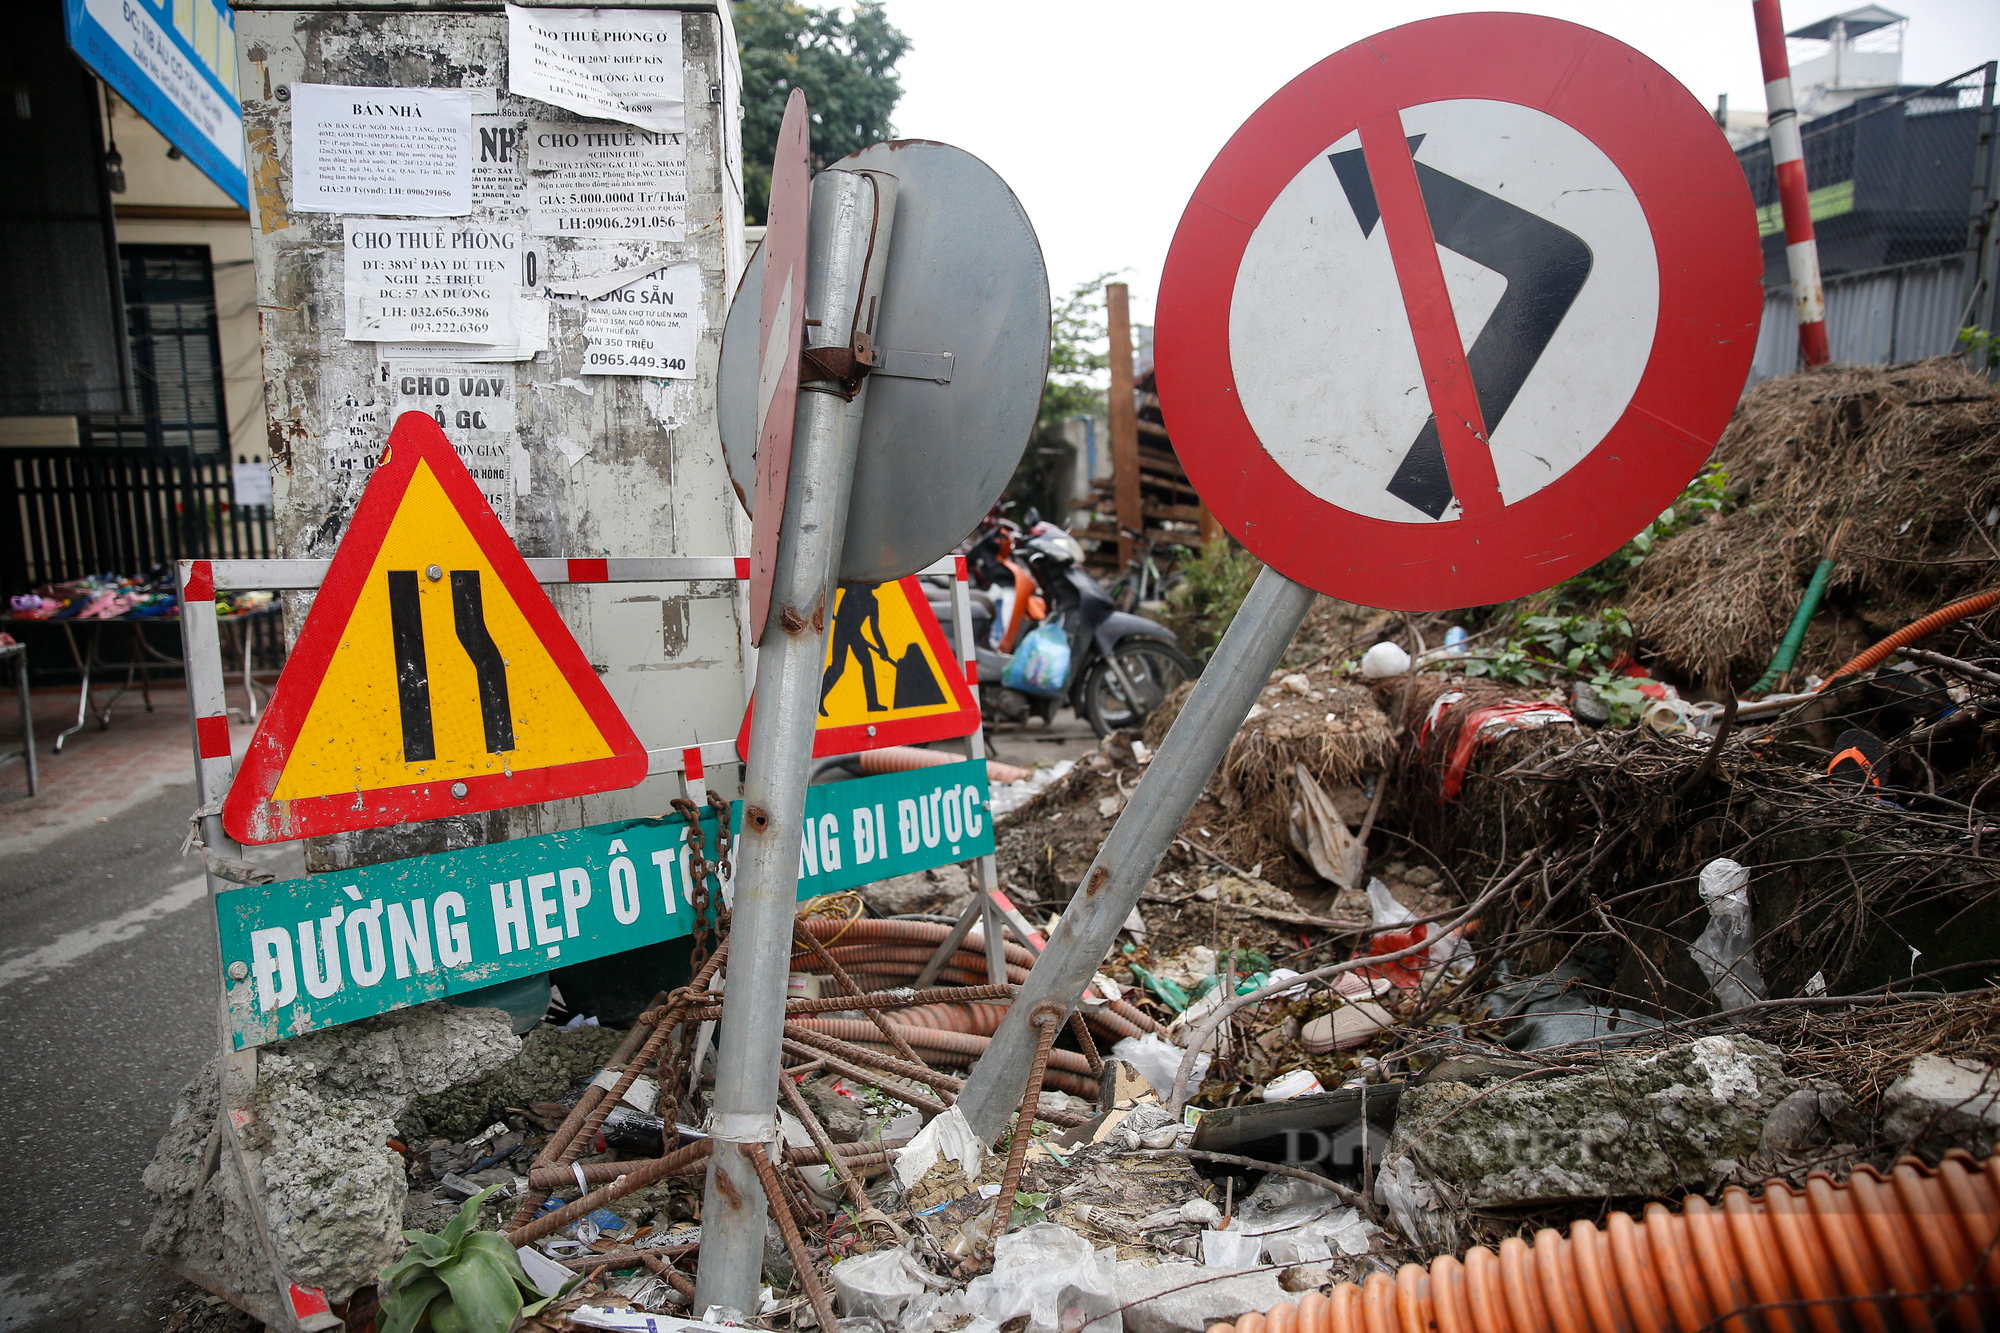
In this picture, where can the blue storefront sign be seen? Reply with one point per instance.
(175, 62)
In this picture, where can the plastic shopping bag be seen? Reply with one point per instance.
(1041, 664)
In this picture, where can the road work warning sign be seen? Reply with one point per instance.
(432, 676)
(890, 678)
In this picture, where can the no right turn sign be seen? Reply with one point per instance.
(1458, 311)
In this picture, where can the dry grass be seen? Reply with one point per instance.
(1867, 1048)
(1890, 470)
(1337, 731)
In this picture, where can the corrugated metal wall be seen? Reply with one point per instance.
(1903, 313)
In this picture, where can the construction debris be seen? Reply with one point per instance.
(1459, 942)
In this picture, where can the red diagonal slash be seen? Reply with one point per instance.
(1454, 402)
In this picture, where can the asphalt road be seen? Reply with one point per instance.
(107, 976)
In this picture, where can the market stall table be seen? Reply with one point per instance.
(89, 659)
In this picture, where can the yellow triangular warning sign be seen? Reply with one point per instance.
(890, 677)
(432, 676)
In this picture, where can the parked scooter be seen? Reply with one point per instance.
(1122, 666)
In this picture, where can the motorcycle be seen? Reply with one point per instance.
(1122, 666)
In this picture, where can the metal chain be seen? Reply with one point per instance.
(723, 868)
(697, 878)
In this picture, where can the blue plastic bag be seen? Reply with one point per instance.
(1041, 664)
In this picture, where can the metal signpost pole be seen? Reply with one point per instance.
(1788, 162)
(1435, 521)
(851, 217)
(1240, 669)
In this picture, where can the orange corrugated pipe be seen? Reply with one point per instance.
(931, 1039)
(880, 966)
(1910, 633)
(908, 758)
(979, 1019)
(967, 965)
(1913, 1251)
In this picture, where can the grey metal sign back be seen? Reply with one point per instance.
(962, 349)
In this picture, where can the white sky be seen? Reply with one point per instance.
(1103, 115)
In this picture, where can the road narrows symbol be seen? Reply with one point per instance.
(373, 721)
(413, 686)
(469, 618)
(413, 679)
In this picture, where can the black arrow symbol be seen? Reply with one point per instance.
(1545, 267)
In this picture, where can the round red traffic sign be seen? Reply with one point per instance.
(1458, 311)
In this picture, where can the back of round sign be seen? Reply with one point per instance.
(963, 347)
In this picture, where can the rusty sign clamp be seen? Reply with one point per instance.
(954, 360)
(1541, 186)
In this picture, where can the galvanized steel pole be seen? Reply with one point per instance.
(851, 217)
(1242, 664)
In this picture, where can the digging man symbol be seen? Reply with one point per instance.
(859, 609)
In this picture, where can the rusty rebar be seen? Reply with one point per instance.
(1081, 1031)
(788, 1227)
(656, 1262)
(874, 1078)
(1048, 1020)
(641, 1175)
(847, 983)
(901, 998)
(921, 1073)
(855, 1194)
(566, 1144)
(865, 1212)
(867, 1155)
(662, 1030)
(566, 1132)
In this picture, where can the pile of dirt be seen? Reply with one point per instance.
(1889, 471)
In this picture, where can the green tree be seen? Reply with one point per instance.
(846, 63)
(1077, 361)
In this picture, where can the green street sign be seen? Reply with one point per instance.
(305, 954)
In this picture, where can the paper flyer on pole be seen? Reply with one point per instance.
(618, 64)
(600, 180)
(406, 152)
(475, 406)
(416, 282)
(649, 327)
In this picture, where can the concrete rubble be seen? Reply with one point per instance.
(332, 1191)
(1689, 1114)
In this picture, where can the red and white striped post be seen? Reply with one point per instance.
(1788, 157)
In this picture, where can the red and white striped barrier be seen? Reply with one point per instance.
(1788, 159)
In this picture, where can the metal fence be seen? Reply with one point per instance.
(1900, 195)
(1891, 178)
(1904, 313)
(70, 512)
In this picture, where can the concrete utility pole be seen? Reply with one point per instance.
(596, 465)
(852, 215)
